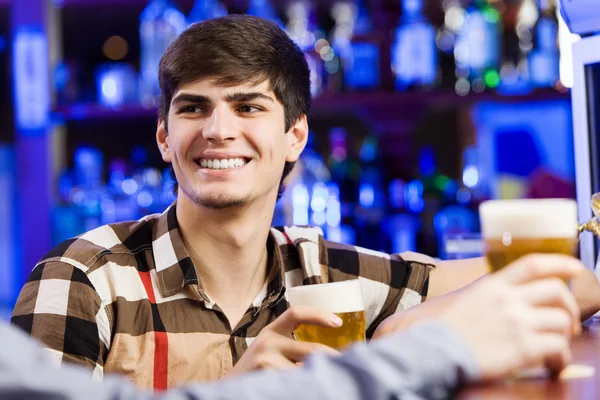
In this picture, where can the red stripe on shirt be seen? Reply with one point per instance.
(161, 342)
(288, 238)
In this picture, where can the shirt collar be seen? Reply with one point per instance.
(175, 268)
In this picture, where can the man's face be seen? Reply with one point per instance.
(228, 145)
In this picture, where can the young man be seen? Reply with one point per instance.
(501, 325)
(184, 296)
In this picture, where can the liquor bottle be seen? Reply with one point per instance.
(148, 198)
(435, 190)
(122, 205)
(89, 192)
(372, 199)
(309, 188)
(414, 52)
(477, 49)
(544, 60)
(345, 171)
(353, 42)
(515, 71)
(160, 24)
(302, 28)
(206, 9)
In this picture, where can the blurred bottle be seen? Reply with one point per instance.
(477, 49)
(160, 24)
(67, 81)
(345, 171)
(372, 199)
(264, 9)
(437, 190)
(401, 226)
(116, 84)
(302, 29)
(138, 165)
(89, 193)
(515, 71)
(353, 42)
(121, 187)
(308, 189)
(414, 52)
(206, 9)
(149, 196)
(544, 60)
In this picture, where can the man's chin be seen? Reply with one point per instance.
(221, 202)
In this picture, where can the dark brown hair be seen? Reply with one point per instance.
(234, 50)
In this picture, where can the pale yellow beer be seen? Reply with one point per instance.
(341, 298)
(514, 228)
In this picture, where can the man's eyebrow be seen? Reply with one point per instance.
(190, 98)
(243, 97)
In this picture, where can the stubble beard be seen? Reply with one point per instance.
(221, 202)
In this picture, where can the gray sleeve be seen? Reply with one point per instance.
(426, 361)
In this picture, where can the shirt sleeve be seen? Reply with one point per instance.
(389, 283)
(427, 361)
(59, 306)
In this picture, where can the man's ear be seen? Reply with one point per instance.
(297, 137)
(162, 139)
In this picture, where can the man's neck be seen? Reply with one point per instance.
(229, 250)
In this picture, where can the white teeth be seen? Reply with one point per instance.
(222, 164)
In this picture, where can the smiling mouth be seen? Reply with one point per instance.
(226, 163)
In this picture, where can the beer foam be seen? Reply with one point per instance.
(336, 297)
(535, 218)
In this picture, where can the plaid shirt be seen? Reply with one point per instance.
(126, 298)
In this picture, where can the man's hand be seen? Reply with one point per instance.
(521, 316)
(274, 347)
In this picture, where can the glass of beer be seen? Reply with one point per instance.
(341, 298)
(514, 228)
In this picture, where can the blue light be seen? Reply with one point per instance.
(300, 217)
(109, 91)
(129, 186)
(334, 234)
(368, 150)
(334, 214)
(414, 51)
(319, 218)
(108, 206)
(470, 176)
(116, 84)
(333, 189)
(427, 161)
(145, 199)
(299, 196)
(396, 190)
(264, 9)
(463, 196)
(366, 195)
(319, 197)
(362, 66)
(31, 76)
(413, 196)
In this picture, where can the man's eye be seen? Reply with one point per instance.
(248, 109)
(191, 110)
